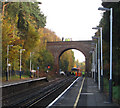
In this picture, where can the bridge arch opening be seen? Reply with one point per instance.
(58, 48)
(71, 57)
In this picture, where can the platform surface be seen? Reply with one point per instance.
(83, 93)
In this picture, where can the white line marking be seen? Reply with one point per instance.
(62, 94)
(87, 93)
(23, 82)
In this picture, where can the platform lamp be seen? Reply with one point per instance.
(94, 60)
(98, 60)
(91, 52)
(30, 62)
(20, 60)
(100, 28)
(110, 80)
(7, 74)
(93, 63)
(96, 71)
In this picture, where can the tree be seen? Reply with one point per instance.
(67, 60)
(19, 30)
(105, 23)
(9, 37)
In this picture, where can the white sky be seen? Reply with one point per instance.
(72, 19)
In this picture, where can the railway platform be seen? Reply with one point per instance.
(10, 83)
(82, 93)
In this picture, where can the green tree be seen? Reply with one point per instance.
(105, 23)
(67, 60)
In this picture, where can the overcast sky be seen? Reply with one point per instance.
(72, 19)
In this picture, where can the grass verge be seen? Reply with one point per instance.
(16, 77)
(115, 93)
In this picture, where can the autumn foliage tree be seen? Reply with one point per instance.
(23, 26)
(20, 24)
(67, 61)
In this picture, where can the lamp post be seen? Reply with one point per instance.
(20, 60)
(110, 80)
(94, 61)
(7, 74)
(100, 28)
(98, 61)
(91, 52)
(96, 64)
(30, 62)
(92, 64)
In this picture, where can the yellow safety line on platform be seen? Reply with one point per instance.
(75, 105)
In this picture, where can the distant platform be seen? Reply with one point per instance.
(6, 84)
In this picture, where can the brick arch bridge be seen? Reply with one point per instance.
(58, 48)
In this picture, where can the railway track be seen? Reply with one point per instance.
(49, 96)
(42, 95)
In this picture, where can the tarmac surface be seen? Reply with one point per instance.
(83, 93)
